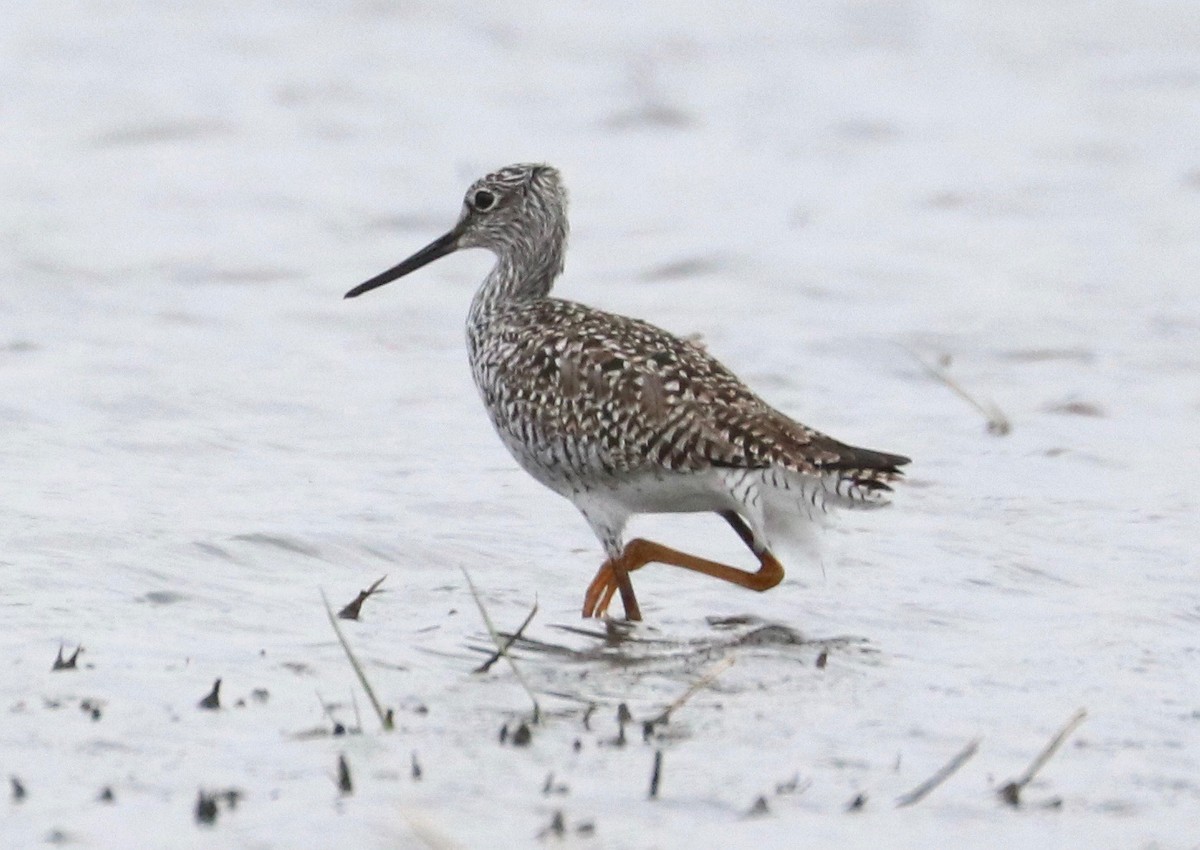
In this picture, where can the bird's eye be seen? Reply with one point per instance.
(484, 200)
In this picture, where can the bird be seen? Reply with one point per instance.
(623, 418)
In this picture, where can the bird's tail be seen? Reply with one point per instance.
(862, 478)
(796, 502)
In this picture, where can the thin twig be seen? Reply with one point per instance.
(513, 638)
(701, 683)
(947, 770)
(496, 639)
(385, 718)
(997, 422)
(1011, 792)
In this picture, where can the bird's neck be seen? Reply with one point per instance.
(517, 277)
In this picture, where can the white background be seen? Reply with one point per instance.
(197, 434)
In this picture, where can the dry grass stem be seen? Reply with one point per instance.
(508, 642)
(1011, 792)
(385, 718)
(947, 770)
(997, 422)
(501, 647)
(703, 682)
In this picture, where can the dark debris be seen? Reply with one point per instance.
(213, 701)
(71, 663)
(352, 610)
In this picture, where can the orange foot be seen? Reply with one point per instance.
(613, 575)
(602, 589)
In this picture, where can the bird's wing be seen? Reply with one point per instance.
(601, 389)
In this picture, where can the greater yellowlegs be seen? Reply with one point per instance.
(623, 418)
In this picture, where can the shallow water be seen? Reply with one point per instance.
(199, 434)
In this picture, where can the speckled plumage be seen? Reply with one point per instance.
(620, 416)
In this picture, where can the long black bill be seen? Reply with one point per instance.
(439, 247)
